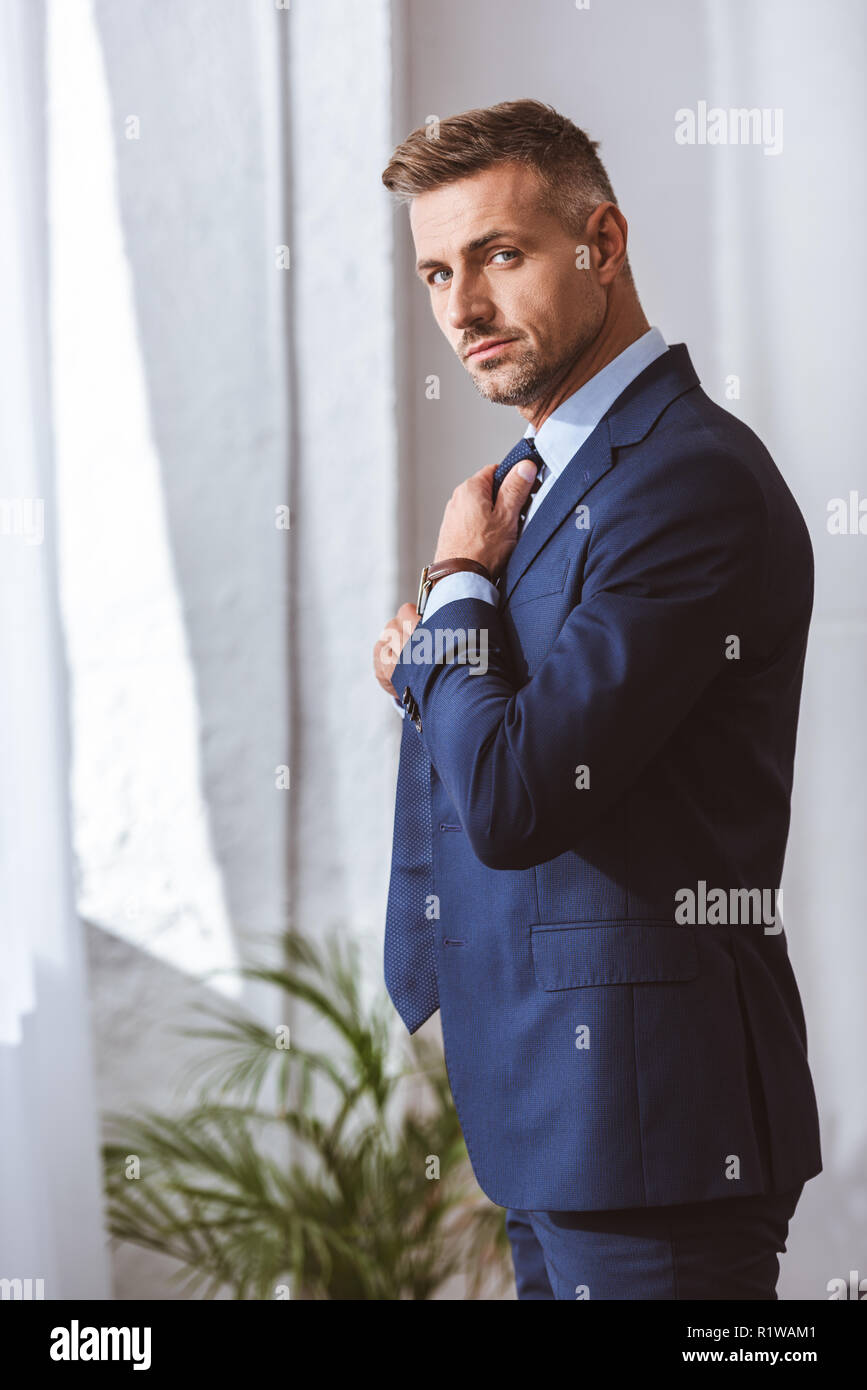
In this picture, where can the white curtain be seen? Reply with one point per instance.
(788, 324)
(51, 1226)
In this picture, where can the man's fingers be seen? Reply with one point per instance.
(484, 479)
(407, 621)
(515, 487)
(392, 640)
(382, 671)
(385, 655)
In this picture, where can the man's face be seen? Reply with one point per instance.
(503, 281)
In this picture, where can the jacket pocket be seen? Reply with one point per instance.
(570, 955)
(538, 581)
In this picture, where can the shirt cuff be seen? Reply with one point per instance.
(464, 584)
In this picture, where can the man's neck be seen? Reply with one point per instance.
(615, 337)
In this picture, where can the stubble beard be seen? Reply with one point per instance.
(528, 376)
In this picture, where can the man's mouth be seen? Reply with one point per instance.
(489, 347)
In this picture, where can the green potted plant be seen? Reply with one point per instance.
(325, 1172)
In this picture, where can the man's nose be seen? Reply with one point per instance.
(468, 303)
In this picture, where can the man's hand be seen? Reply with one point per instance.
(474, 529)
(391, 642)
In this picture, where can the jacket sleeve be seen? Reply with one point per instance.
(674, 566)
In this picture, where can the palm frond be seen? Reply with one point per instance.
(252, 1188)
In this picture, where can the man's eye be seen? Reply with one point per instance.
(435, 281)
(503, 253)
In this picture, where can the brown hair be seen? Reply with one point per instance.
(529, 132)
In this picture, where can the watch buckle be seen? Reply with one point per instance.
(424, 588)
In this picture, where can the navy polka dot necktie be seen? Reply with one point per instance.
(412, 915)
(524, 449)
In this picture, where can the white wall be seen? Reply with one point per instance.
(346, 483)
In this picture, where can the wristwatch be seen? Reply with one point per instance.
(431, 574)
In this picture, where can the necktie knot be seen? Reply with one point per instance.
(524, 449)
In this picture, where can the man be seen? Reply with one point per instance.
(596, 763)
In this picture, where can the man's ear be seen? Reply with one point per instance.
(606, 233)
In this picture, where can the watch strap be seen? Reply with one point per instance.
(431, 574)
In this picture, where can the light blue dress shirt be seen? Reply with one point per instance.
(558, 441)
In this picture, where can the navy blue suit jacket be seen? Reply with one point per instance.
(601, 1053)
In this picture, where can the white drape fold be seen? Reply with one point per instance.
(51, 1226)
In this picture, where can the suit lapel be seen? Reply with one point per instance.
(586, 468)
(628, 420)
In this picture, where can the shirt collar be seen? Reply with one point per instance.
(565, 430)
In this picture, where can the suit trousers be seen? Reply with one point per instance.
(723, 1249)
